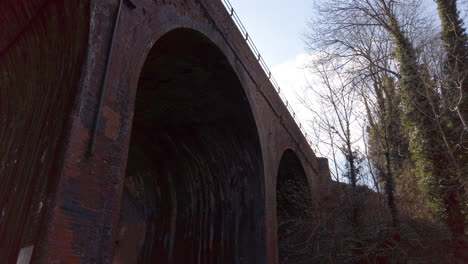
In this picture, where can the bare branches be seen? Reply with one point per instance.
(386, 80)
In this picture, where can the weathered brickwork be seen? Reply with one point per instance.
(42, 50)
(53, 60)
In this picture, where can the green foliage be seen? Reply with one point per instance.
(424, 170)
(418, 107)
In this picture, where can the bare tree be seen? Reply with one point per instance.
(363, 51)
(336, 122)
(436, 143)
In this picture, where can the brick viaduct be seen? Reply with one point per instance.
(142, 132)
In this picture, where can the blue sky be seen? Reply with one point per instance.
(275, 26)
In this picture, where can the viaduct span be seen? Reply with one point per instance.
(143, 131)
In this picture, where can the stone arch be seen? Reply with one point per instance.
(194, 190)
(293, 205)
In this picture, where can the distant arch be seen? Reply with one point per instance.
(194, 188)
(293, 205)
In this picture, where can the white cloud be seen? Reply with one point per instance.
(293, 78)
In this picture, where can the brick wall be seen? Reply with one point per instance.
(42, 49)
(67, 202)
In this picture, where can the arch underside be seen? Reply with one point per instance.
(294, 211)
(194, 181)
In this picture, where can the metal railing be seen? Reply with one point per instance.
(264, 66)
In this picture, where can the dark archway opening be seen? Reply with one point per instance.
(293, 207)
(194, 181)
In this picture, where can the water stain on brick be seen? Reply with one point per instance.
(112, 120)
